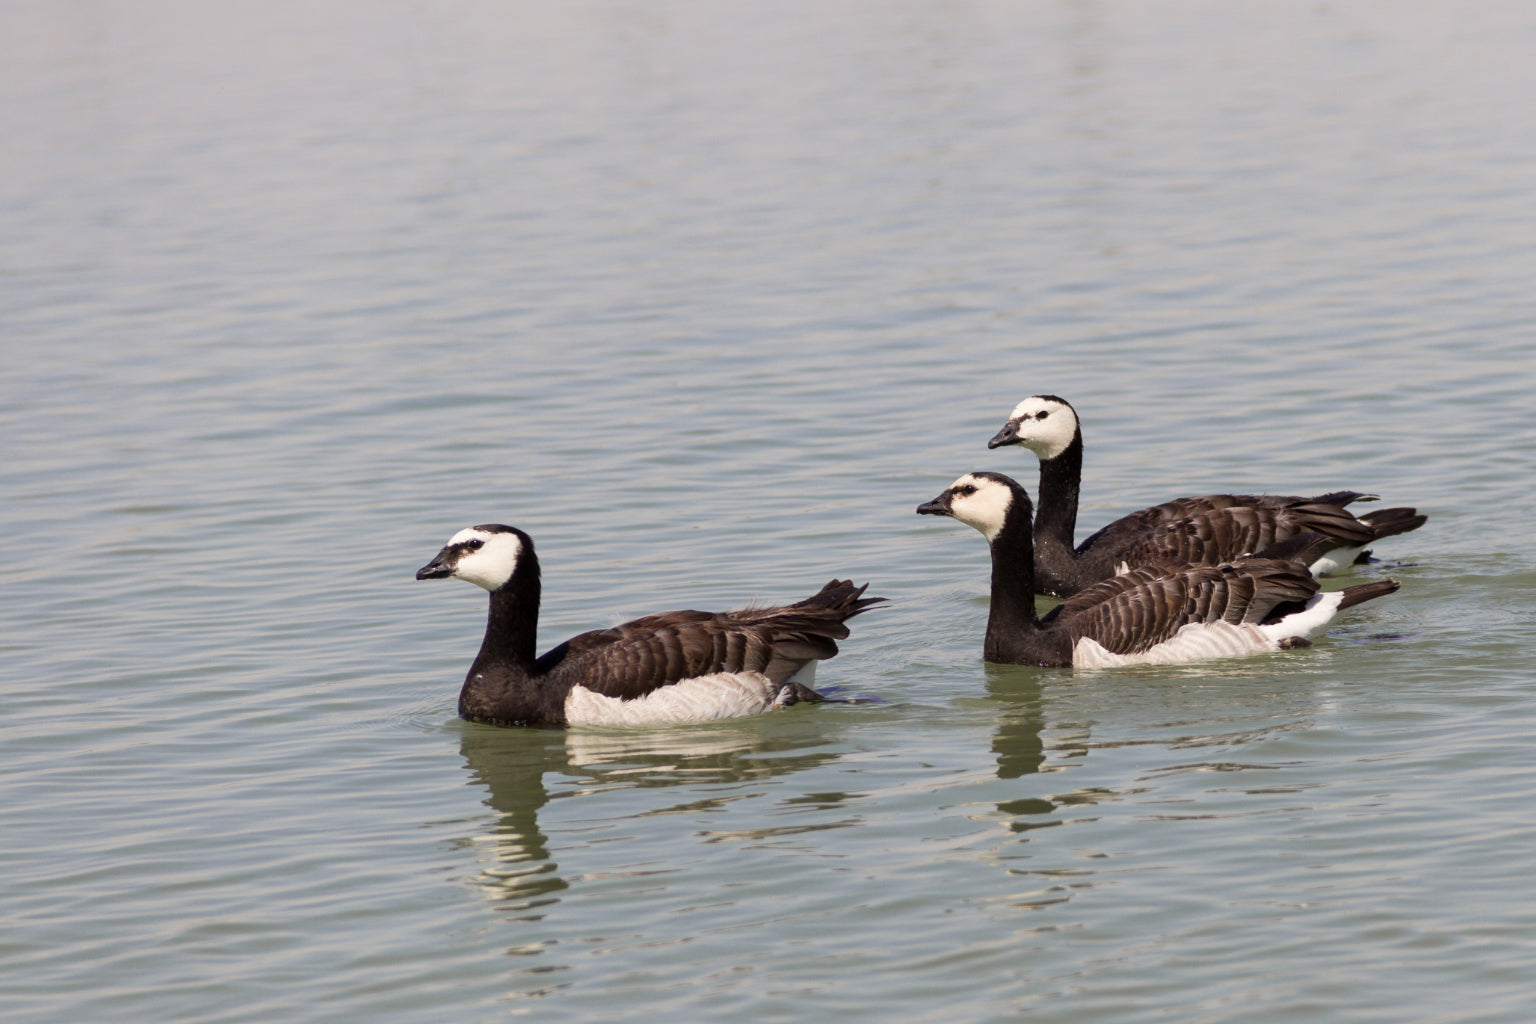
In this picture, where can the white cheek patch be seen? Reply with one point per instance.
(1047, 437)
(986, 510)
(493, 564)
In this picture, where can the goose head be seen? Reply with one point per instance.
(486, 556)
(982, 501)
(1044, 424)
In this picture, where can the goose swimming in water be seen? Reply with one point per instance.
(1212, 528)
(682, 666)
(1149, 615)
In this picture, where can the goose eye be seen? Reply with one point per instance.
(474, 545)
(966, 490)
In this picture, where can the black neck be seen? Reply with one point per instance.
(1060, 480)
(1012, 620)
(511, 631)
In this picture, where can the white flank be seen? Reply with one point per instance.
(1334, 561)
(700, 699)
(1201, 641)
(1317, 614)
(1198, 641)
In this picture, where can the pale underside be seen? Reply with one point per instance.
(1198, 641)
(700, 699)
(1335, 561)
(1202, 641)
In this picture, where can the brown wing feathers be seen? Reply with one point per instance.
(1389, 522)
(1182, 508)
(1219, 527)
(633, 659)
(1244, 530)
(637, 657)
(1140, 609)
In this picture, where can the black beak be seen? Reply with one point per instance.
(440, 568)
(937, 507)
(1008, 435)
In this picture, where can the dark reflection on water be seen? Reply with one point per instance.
(511, 765)
(522, 876)
(1017, 742)
(1019, 745)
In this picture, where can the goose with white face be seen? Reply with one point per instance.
(670, 667)
(975, 500)
(486, 556)
(1042, 423)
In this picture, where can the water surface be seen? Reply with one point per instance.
(708, 298)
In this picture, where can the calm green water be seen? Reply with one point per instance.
(707, 298)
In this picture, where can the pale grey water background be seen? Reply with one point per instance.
(708, 297)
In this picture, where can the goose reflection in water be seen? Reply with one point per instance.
(517, 869)
(1020, 747)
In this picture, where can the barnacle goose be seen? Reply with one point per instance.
(1150, 615)
(683, 666)
(1212, 528)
